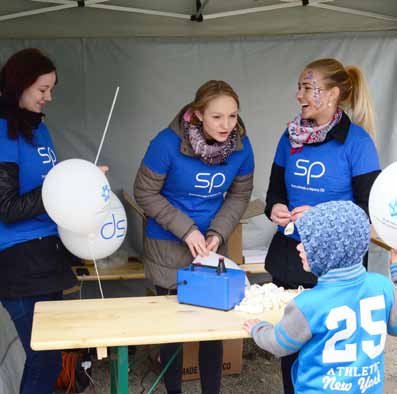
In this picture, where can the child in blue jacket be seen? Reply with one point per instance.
(340, 326)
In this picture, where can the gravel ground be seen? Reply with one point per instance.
(260, 374)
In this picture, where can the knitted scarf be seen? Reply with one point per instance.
(303, 131)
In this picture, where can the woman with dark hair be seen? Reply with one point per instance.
(35, 266)
(194, 184)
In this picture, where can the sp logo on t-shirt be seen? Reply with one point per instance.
(206, 180)
(310, 170)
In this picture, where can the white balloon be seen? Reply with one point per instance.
(383, 205)
(105, 241)
(76, 195)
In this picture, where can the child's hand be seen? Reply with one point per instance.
(393, 256)
(249, 324)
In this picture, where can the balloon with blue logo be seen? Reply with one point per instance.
(76, 195)
(105, 241)
(383, 205)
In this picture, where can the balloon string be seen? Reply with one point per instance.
(107, 125)
(96, 268)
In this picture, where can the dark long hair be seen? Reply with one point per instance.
(19, 73)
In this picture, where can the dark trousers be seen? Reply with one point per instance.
(41, 368)
(210, 362)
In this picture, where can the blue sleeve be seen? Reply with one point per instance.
(364, 157)
(157, 157)
(248, 164)
(8, 146)
(286, 337)
(282, 150)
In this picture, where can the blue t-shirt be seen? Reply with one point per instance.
(34, 162)
(324, 172)
(348, 322)
(195, 188)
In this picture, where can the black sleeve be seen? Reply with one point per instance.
(361, 185)
(14, 207)
(276, 193)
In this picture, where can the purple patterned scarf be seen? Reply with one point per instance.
(211, 154)
(302, 131)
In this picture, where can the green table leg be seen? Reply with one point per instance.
(113, 373)
(119, 372)
(170, 361)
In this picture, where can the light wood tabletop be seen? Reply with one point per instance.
(134, 270)
(101, 323)
(130, 270)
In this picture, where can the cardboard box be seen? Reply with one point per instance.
(235, 242)
(232, 358)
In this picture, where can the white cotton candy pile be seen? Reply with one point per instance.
(265, 298)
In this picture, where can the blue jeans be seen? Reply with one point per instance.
(41, 368)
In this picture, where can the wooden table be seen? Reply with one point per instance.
(134, 270)
(131, 270)
(119, 322)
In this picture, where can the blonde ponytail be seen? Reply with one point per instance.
(361, 107)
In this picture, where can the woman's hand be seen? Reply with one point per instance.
(280, 214)
(212, 243)
(104, 169)
(249, 324)
(196, 243)
(297, 212)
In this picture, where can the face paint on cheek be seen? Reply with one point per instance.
(316, 89)
(316, 95)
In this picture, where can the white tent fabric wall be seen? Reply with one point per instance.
(157, 76)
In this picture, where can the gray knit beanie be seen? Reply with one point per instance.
(335, 234)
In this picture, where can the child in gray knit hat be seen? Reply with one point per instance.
(340, 326)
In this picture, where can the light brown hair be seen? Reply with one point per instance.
(210, 91)
(354, 95)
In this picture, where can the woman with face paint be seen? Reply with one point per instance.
(326, 153)
(194, 184)
(34, 264)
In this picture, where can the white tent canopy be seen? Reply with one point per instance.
(120, 18)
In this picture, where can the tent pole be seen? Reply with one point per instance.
(37, 12)
(94, 4)
(289, 4)
(55, 1)
(198, 16)
(354, 12)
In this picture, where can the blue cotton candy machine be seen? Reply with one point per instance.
(211, 287)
